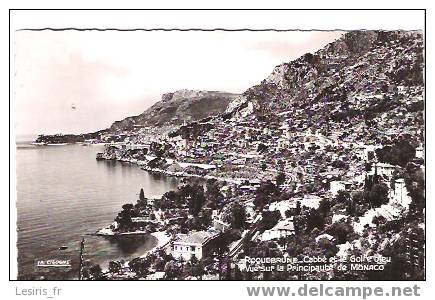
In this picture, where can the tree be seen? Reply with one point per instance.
(315, 220)
(221, 243)
(377, 195)
(228, 271)
(327, 247)
(339, 164)
(197, 269)
(141, 195)
(237, 216)
(96, 273)
(193, 260)
(115, 266)
(262, 148)
(196, 199)
(341, 231)
(379, 220)
(172, 270)
(324, 207)
(269, 220)
(266, 193)
(263, 166)
(142, 198)
(213, 189)
(127, 207)
(237, 273)
(399, 153)
(415, 184)
(299, 223)
(298, 208)
(282, 241)
(280, 178)
(289, 213)
(124, 217)
(140, 266)
(342, 197)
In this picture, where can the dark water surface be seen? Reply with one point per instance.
(64, 194)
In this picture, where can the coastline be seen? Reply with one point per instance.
(187, 175)
(162, 241)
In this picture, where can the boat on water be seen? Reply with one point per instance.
(63, 248)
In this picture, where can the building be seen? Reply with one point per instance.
(153, 199)
(283, 206)
(366, 152)
(156, 276)
(132, 146)
(220, 225)
(192, 244)
(309, 201)
(324, 236)
(419, 152)
(400, 194)
(384, 169)
(284, 228)
(250, 211)
(336, 186)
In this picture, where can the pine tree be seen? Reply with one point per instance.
(141, 195)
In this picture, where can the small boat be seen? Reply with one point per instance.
(63, 248)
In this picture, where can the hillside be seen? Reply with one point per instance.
(172, 110)
(362, 73)
(325, 157)
(363, 91)
(179, 107)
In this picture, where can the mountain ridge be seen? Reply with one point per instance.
(310, 74)
(178, 107)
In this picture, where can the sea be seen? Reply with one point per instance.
(63, 195)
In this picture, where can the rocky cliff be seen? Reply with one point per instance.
(348, 77)
(179, 107)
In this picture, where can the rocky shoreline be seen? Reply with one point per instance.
(179, 174)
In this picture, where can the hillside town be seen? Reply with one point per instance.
(320, 164)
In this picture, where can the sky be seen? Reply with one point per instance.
(111, 75)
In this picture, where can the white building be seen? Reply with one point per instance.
(400, 194)
(309, 201)
(220, 225)
(250, 210)
(338, 218)
(324, 236)
(137, 146)
(419, 152)
(385, 169)
(366, 152)
(336, 186)
(192, 244)
(382, 169)
(282, 206)
(284, 228)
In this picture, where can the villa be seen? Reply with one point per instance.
(192, 244)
